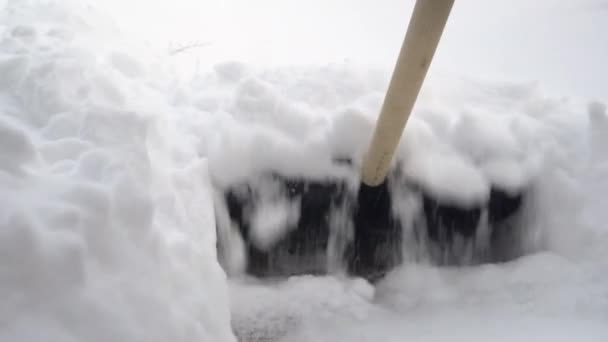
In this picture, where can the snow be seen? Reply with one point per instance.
(113, 155)
(17, 148)
(533, 143)
(448, 177)
(104, 234)
(271, 221)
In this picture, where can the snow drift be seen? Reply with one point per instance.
(106, 233)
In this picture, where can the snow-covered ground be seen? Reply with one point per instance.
(108, 147)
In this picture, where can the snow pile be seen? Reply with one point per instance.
(279, 119)
(464, 137)
(106, 219)
(454, 151)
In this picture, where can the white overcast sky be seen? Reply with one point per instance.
(563, 44)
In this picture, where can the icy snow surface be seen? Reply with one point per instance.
(106, 226)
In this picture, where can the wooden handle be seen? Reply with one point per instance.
(423, 34)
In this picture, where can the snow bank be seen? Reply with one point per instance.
(464, 137)
(107, 230)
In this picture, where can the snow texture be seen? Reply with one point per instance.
(552, 149)
(107, 230)
(517, 138)
(270, 221)
(108, 155)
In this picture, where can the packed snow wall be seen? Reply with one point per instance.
(106, 232)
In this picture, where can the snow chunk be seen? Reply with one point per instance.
(248, 151)
(350, 134)
(16, 148)
(483, 136)
(257, 101)
(508, 174)
(13, 70)
(448, 177)
(419, 137)
(272, 220)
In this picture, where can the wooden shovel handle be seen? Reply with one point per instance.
(423, 34)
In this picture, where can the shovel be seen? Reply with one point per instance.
(373, 242)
